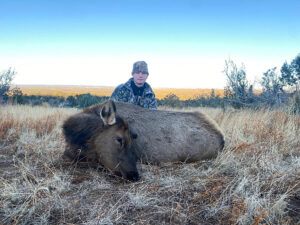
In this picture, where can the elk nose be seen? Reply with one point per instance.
(133, 176)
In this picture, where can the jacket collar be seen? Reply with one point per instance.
(128, 85)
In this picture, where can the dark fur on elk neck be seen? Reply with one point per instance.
(121, 123)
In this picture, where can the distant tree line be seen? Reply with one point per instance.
(279, 89)
(77, 101)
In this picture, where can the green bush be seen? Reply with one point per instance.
(171, 100)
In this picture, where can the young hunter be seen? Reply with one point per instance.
(136, 90)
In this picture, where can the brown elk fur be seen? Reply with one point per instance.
(168, 136)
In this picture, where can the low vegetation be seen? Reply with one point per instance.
(69, 90)
(255, 180)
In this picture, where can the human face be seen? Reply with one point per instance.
(139, 78)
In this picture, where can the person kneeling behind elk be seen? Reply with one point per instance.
(136, 90)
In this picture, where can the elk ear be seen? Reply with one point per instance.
(108, 113)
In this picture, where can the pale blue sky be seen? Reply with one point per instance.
(185, 43)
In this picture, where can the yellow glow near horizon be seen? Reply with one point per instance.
(165, 72)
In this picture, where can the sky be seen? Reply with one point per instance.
(184, 42)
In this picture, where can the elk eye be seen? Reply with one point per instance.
(119, 140)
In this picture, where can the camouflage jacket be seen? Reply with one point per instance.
(124, 93)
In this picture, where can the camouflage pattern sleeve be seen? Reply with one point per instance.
(150, 100)
(153, 103)
(121, 94)
(116, 94)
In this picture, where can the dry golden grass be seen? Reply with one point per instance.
(66, 91)
(185, 94)
(255, 180)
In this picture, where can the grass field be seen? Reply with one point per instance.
(65, 91)
(255, 180)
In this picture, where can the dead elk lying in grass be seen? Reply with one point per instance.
(163, 136)
(169, 136)
(101, 139)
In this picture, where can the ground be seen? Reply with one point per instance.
(255, 180)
